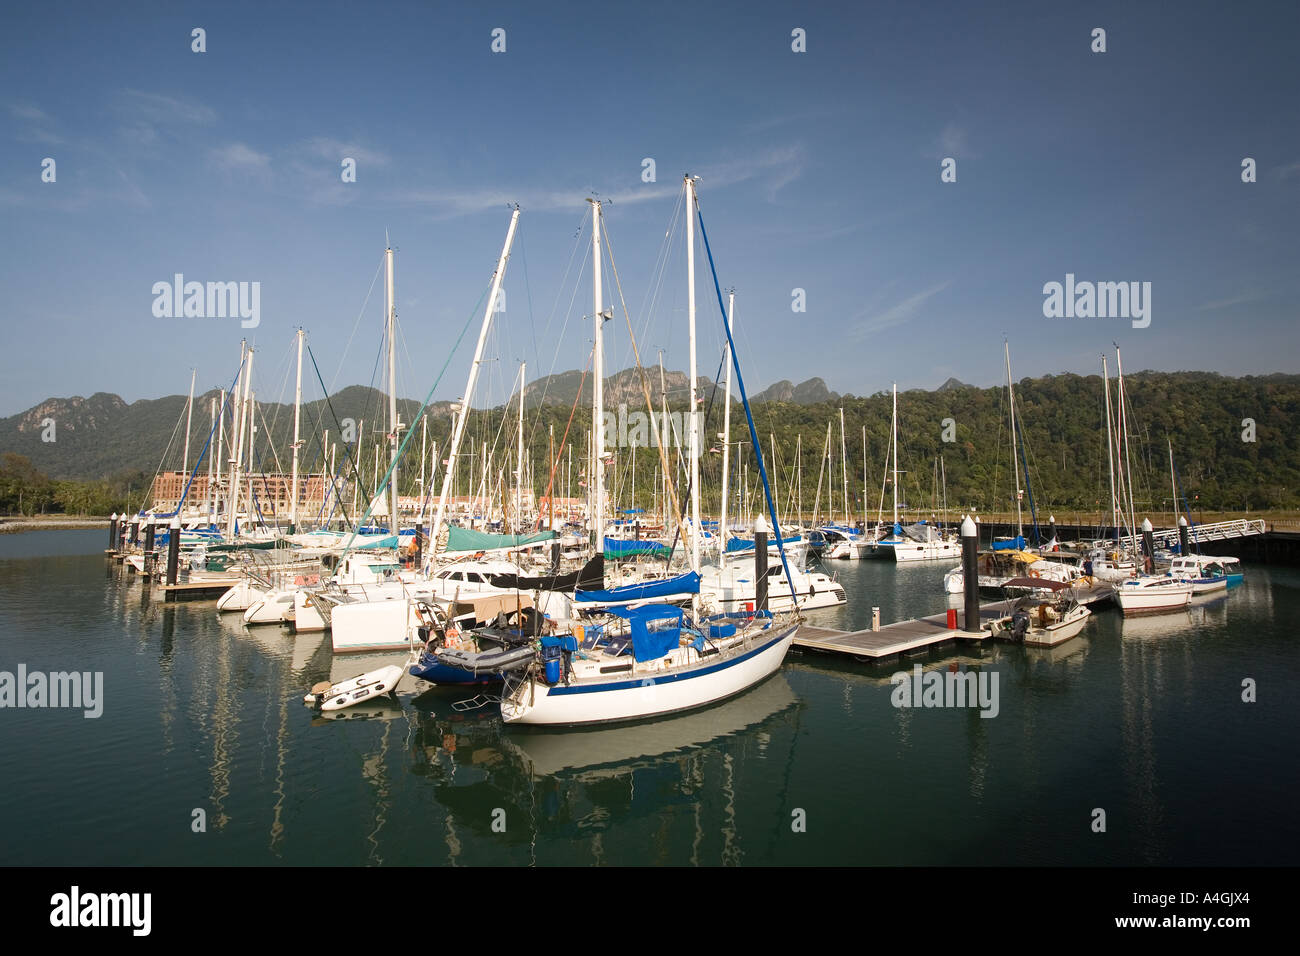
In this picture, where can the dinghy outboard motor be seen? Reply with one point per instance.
(1019, 624)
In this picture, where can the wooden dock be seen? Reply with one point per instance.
(172, 592)
(897, 639)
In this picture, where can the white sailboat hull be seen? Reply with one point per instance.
(913, 551)
(241, 597)
(1142, 596)
(638, 697)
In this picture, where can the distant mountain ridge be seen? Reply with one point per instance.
(811, 392)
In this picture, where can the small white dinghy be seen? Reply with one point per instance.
(346, 693)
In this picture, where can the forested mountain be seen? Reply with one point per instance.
(1209, 418)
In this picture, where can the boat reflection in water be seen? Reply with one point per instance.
(575, 784)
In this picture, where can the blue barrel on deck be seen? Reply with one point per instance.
(551, 664)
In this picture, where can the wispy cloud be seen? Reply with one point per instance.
(36, 124)
(1287, 171)
(953, 140)
(324, 147)
(1241, 299)
(240, 156)
(28, 111)
(869, 323)
(773, 169)
(162, 110)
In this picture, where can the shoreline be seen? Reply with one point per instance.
(50, 523)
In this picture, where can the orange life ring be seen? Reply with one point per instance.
(1035, 574)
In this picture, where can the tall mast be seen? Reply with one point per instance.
(393, 425)
(1015, 457)
(691, 205)
(189, 423)
(424, 451)
(463, 414)
(213, 455)
(893, 437)
(943, 476)
(844, 469)
(798, 475)
(663, 427)
(1173, 480)
(1110, 449)
(597, 386)
(864, 478)
(1128, 454)
(246, 360)
(519, 462)
(726, 435)
(220, 449)
(297, 443)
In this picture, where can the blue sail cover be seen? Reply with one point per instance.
(1015, 544)
(647, 644)
(688, 583)
(736, 544)
(616, 548)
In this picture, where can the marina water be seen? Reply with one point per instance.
(204, 753)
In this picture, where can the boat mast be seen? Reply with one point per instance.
(692, 205)
(1015, 459)
(1128, 452)
(519, 470)
(213, 453)
(220, 450)
(189, 423)
(663, 441)
(245, 356)
(1110, 449)
(726, 435)
(1173, 480)
(893, 431)
(598, 386)
(297, 443)
(844, 469)
(864, 479)
(943, 476)
(798, 476)
(393, 425)
(463, 413)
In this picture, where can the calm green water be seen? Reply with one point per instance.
(1143, 719)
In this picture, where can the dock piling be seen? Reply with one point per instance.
(970, 574)
(173, 549)
(760, 563)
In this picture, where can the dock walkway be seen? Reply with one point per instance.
(899, 638)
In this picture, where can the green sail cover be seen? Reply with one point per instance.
(465, 539)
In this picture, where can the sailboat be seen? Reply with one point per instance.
(648, 659)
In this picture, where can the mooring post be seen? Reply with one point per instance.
(1182, 535)
(970, 574)
(1148, 546)
(760, 564)
(148, 544)
(112, 532)
(173, 549)
(875, 618)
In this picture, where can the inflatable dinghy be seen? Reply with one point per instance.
(494, 661)
(346, 693)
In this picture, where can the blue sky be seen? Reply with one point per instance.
(819, 170)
